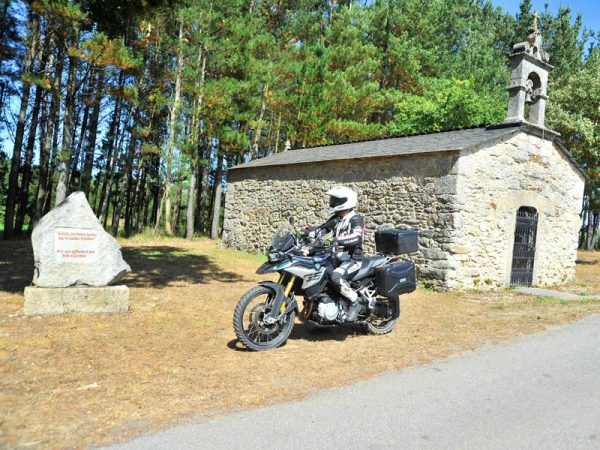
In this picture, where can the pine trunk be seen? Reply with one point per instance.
(595, 230)
(13, 177)
(189, 220)
(86, 176)
(203, 195)
(115, 201)
(44, 145)
(67, 137)
(47, 122)
(39, 119)
(141, 199)
(589, 245)
(277, 133)
(128, 208)
(26, 170)
(216, 215)
(158, 213)
(133, 193)
(258, 132)
(110, 175)
(55, 116)
(172, 125)
(177, 207)
(76, 172)
(146, 205)
(126, 175)
(196, 220)
(113, 132)
(155, 203)
(589, 230)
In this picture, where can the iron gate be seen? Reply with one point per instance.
(524, 248)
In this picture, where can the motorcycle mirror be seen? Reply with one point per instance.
(291, 220)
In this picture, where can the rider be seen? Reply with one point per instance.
(348, 229)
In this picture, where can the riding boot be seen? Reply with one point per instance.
(353, 304)
(353, 309)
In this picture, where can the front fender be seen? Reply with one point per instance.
(279, 298)
(267, 267)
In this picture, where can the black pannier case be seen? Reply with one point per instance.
(396, 279)
(396, 242)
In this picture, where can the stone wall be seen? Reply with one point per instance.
(411, 192)
(493, 184)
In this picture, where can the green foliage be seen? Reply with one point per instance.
(565, 40)
(102, 51)
(443, 105)
(575, 112)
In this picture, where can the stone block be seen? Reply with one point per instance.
(84, 299)
(70, 247)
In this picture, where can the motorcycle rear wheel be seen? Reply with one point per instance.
(382, 325)
(248, 323)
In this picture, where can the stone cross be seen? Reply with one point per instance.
(536, 16)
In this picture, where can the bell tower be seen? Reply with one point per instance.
(528, 80)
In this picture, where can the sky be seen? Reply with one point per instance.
(590, 9)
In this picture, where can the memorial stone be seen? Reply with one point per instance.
(75, 262)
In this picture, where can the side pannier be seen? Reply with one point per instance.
(396, 242)
(395, 279)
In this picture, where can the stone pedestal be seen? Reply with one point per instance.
(84, 299)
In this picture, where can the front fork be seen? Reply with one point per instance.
(281, 297)
(288, 288)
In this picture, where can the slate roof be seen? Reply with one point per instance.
(408, 145)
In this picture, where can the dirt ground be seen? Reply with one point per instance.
(79, 380)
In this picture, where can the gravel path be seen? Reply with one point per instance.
(539, 391)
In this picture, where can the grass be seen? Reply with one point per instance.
(542, 300)
(587, 281)
(82, 380)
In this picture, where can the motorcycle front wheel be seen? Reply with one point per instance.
(249, 325)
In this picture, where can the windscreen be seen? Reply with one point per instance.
(283, 239)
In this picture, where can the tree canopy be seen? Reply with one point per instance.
(144, 104)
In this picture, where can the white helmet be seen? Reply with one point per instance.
(342, 198)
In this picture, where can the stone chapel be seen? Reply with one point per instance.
(495, 206)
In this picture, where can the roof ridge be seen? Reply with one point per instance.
(444, 140)
(385, 138)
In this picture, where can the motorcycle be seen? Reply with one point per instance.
(264, 316)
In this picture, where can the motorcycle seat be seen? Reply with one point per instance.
(368, 265)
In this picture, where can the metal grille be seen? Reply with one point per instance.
(524, 248)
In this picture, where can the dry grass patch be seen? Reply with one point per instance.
(74, 381)
(587, 281)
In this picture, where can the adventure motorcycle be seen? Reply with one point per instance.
(264, 316)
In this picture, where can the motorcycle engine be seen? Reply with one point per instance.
(328, 309)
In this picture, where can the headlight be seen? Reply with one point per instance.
(273, 257)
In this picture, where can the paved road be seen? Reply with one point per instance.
(541, 392)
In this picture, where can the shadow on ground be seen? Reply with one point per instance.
(315, 333)
(312, 333)
(16, 265)
(160, 266)
(152, 266)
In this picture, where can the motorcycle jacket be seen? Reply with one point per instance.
(348, 233)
